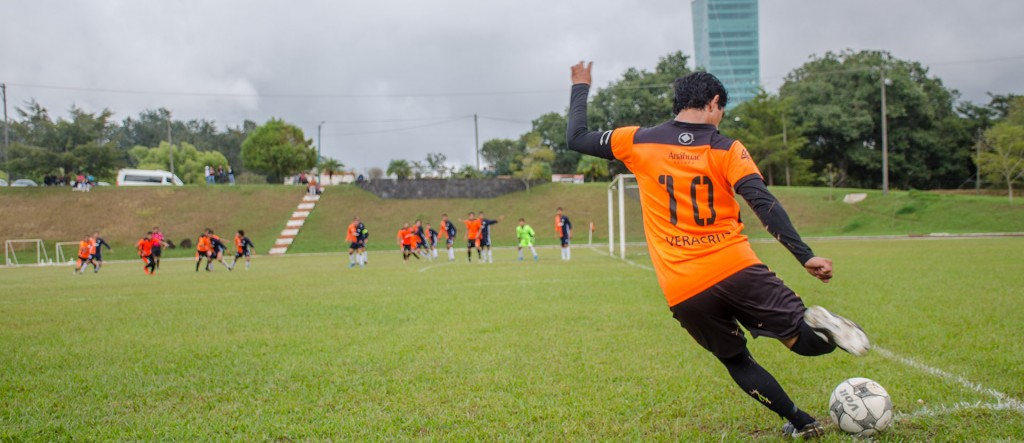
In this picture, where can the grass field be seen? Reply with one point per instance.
(303, 348)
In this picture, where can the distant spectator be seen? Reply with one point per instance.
(208, 173)
(302, 179)
(231, 175)
(312, 187)
(221, 175)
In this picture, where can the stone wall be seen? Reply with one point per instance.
(433, 188)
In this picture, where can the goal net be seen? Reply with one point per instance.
(25, 252)
(625, 219)
(65, 252)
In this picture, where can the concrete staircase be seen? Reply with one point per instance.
(291, 229)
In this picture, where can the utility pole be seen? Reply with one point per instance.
(885, 140)
(3, 92)
(319, 174)
(476, 133)
(977, 162)
(170, 143)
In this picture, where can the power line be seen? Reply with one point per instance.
(287, 95)
(443, 122)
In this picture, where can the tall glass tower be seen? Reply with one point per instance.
(726, 41)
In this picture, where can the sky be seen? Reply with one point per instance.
(400, 79)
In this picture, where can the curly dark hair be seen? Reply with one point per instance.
(696, 90)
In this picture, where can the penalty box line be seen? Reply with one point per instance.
(1003, 401)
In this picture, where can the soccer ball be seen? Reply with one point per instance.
(860, 407)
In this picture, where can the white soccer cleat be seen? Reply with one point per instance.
(842, 332)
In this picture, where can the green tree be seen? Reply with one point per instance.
(435, 162)
(400, 168)
(189, 162)
(836, 99)
(467, 172)
(593, 168)
(330, 167)
(278, 149)
(503, 153)
(535, 163)
(764, 126)
(82, 142)
(1002, 156)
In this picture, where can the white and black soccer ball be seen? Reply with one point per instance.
(860, 407)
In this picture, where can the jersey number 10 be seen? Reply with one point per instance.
(698, 181)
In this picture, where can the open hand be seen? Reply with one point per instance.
(581, 73)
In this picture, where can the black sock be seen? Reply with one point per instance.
(810, 344)
(759, 384)
(197, 264)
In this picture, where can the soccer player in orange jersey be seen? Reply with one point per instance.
(243, 248)
(217, 248)
(407, 241)
(352, 235)
(204, 250)
(84, 257)
(473, 226)
(688, 175)
(145, 248)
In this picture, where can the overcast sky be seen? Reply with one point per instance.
(399, 79)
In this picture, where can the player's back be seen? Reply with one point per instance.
(686, 173)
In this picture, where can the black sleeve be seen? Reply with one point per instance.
(577, 136)
(773, 216)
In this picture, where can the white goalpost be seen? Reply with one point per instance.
(11, 248)
(59, 256)
(619, 184)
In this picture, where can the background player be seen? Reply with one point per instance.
(97, 251)
(352, 236)
(145, 248)
(362, 234)
(431, 241)
(526, 235)
(472, 236)
(203, 250)
(84, 257)
(421, 240)
(485, 235)
(243, 247)
(407, 241)
(158, 249)
(714, 286)
(217, 247)
(563, 227)
(449, 231)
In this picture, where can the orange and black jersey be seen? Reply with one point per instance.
(688, 175)
(145, 247)
(84, 247)
(449, 229)
(243, 244)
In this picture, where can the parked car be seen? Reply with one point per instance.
(144, 177)
(23, 183)
(3, 182)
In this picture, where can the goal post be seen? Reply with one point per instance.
(59, 256)
(27, 247)
(618, 186)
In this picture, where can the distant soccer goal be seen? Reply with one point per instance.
(617, 218)
(25, 252)
(60, 257)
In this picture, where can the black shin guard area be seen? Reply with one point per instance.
(759, 384)
(810, 344)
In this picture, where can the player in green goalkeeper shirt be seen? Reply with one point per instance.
(525, 235)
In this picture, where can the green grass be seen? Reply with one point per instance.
(302, 348)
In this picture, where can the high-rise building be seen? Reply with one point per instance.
(726, 41)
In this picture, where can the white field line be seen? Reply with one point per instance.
(935, 411)
(1003, 401)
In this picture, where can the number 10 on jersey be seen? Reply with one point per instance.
(695, 184)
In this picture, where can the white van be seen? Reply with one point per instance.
(143, 177)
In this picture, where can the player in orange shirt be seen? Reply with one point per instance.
(243, 248)
(145, 248)
(84, 257)
(352, 235)
(473, 226)
(407, 241)
(204, 250)
(217, 248)
(563, 227)
(688, 175)
(96, 251)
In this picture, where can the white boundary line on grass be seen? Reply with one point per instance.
(1004, 402)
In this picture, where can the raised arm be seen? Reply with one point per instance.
(579, 138)
(777, 222)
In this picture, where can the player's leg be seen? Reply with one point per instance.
(469, 250)
(248, 260)
(199, 259)
(220, 258)
(152, 265)
(520, 251)
(450, 243)
(145, 264)
(351, 257)
(710, 318)
(534, 252)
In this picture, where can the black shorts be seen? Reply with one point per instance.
(97, 257)
(355, 245)
(157, 251)
(407, 248)
(565, 241)
(244, 253)
(753, 297)
(472, 244)
(485, 242)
